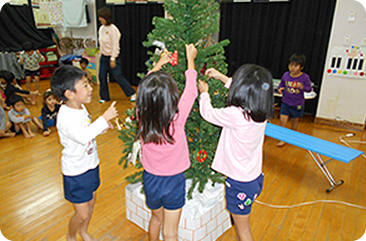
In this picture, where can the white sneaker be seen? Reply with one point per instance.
(133, 98)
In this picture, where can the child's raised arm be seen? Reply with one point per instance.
(213, 73)
(191, 53)
(164, 58)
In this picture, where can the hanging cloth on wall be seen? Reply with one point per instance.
(9, 61)
(74, 13)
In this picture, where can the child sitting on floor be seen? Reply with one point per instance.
(4, 124)
(83, 65)
(20, 116)
(12, 88)
(49, 111)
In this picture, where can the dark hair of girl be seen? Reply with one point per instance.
(105, 13)
(252, 90)
(47, 94)
(157, 104)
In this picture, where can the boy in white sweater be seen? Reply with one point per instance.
(79, 161)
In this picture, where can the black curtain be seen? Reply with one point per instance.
(135, 22)
(267, 34)
(17, 26)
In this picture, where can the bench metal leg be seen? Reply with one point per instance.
(322, 166)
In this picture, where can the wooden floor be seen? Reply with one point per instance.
(32, 206)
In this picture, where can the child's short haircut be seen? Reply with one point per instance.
(27, 46)
(64, 78)
(7, 76)
(84, 61)
(15, 99)
(252, 90)
(298, 59)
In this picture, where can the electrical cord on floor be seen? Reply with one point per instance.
(351, 141)
(309, 203)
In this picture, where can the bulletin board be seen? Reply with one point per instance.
(47, 13)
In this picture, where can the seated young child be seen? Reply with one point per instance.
(49, 111)
(83, 64)
(13, 88)
(20, 116)
(5, 125)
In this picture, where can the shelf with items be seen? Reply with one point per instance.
(93, 56)
(51, 61)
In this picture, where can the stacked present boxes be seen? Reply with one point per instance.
(93, 56)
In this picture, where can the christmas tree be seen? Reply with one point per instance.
(191, 21)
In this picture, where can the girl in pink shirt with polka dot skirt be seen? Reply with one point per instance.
(239, 151)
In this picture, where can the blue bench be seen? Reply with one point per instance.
(316, 148)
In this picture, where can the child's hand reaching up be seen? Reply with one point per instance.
(202, 86)
(191, 53)
(213, 73)
(111, 112)
(164, 59)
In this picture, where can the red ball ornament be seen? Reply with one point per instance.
(132, 117)
(201, 156)
(174, 58)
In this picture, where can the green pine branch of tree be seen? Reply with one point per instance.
(192, 21)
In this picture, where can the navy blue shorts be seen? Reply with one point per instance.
(165, 191)
(80, 188)
(32, 72)
(241, 195)
(293, 111)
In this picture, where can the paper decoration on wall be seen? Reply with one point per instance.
(18, 2)
(41, 18)
(47, 13)
(136, 1)
(55, 13)
(347, 62)
(117, 2)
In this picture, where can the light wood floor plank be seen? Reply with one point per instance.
(32, 206)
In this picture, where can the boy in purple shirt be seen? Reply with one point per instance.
(292, 87)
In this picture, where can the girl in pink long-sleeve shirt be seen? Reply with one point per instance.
(239, 151)
(162, 117)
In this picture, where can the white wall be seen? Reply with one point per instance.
(91, 30)
(86, 32)
(343, 97)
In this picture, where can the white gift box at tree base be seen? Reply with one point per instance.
(204, 217)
